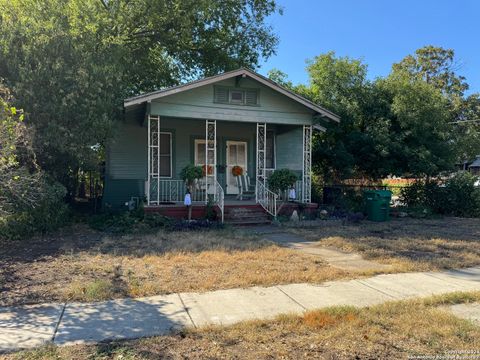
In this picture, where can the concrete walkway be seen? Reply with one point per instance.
(335, 257)
(467, 311)
(72, 323)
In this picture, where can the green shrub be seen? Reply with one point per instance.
(457, 196)
(154, 220)
(120, 223)
(281, 180)
(32, 204)
(462, 197)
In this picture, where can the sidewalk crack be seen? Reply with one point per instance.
(291, 298)
(380, 291)
(186, 310)
(60, 318)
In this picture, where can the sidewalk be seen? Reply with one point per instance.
(72, 323)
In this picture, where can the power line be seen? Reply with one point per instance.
(464, 121)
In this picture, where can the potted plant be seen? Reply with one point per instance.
(190, 174)
(281, 180)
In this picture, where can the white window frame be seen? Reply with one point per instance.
(171, 156)
(195, 154)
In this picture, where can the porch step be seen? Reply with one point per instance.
(246, 215)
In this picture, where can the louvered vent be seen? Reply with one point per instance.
(251, 97)
(221, 95)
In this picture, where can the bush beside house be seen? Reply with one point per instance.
(457, 196)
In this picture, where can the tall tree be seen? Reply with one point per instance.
(439, 67)
(398, 125)
(436, 66)
(78, 59)
(356, 146)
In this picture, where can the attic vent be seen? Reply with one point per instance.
(251, 97)
(221, 95)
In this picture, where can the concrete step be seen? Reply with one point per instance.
(252, 222)
(246, 215)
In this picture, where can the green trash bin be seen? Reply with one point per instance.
(377, 204)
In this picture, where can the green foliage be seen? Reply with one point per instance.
(210, 213)
(30, 201)
(457, 196)
(32, 204)
(133, 222)
(398, 125)
(79, 59)
(462, 196)
(419, 128)
(190, 173)
(436, 66)
(281, 180)
(120, 223)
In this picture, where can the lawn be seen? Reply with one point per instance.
(84, 265)
(80, 264)
(407, 244)
(393, 330)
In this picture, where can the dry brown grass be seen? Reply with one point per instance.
(207, 270)
(83, 265)
(143, 265)
(406, 244)
(389, 331)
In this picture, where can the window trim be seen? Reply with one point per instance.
(171, 155)
(232, 89)
(195, 153)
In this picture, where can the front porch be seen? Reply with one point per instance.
(257, 148)
(235, 212)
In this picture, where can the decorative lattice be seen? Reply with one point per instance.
(261, 147)
(210, 158)
(307, 163)
(153, 182)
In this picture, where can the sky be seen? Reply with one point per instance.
(380, 32)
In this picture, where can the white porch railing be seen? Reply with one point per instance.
(219, 198)
(266, 198)
(173, 191)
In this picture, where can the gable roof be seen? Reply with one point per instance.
(136, 100)
(475, 163)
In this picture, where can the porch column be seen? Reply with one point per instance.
(153, 179)
(307, 164)
(261, 147)
(210, 156)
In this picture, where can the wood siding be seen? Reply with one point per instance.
(273, 108)
(126, 170)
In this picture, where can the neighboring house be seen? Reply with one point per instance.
(474, 167)
(238, 118)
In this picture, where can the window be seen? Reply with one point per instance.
(165, 154)
(200, 153)
(270, 150)
(235, 96)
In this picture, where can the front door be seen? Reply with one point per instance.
(236, 156)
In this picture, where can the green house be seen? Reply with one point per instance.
(238, 118)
